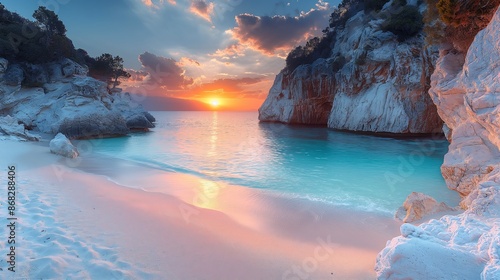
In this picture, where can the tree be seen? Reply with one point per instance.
(405, 24)
(464, 19)
(50, 20)
(108, 68)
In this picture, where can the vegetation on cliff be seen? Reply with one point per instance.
(457, 21)
(26, 43)
(400, 18)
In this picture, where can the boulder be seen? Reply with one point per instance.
(10, 126)
(419, 205)
(138, 122)
(135, 115)
(150, 117)
(94, 126)
(62, 146)
(71, 68)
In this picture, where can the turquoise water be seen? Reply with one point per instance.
(358, 171)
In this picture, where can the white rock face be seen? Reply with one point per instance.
(466, 246)
(11, 129)
(371, 82)
(418, 206)
(62, 146)
(74, 104)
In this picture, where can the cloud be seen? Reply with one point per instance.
(230, 87)
(184, 61)
(278, 34)
(156, 4)
(162, 72)
(136, 75)
(202, 9)
(232, 51)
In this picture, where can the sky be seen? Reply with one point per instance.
(214, 51)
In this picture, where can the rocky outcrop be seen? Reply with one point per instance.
(371, 82)
(419, 205)
(10, 128)
(69, 102)
(466, 90)
(60, 145)
(302, 97)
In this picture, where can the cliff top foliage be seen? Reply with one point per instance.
(44, 40)
(457, 21)
(404, 20)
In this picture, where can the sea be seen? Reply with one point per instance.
(353, 171)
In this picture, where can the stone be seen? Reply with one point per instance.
(62, 146)
(11, 127)
(70, 68)
(418, 206)
(138, 122)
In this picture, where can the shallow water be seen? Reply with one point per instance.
(356, 171)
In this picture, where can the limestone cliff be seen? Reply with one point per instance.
(371, 82)
(60, 97)
(466, 90)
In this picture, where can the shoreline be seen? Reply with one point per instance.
(247, 234)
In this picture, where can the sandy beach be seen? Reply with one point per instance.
(102, 218)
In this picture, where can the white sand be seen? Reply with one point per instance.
(75, 224)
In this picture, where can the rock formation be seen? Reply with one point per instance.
(10, 128)
(419, 205)
(371, 82)
(466, 90)
(62, 146)
(59, 97)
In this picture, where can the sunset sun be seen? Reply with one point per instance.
(215, 103)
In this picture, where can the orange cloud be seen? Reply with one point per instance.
(246, 87)
(184, 61)
(233, 50)
(202, 9)
(157, 3)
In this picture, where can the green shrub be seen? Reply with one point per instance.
(400, 3)
(405, 24)
(345, 10)
(434, 28)
(314, 49)
(463, 12)
(374, 5)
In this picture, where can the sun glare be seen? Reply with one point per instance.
(215, 103)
